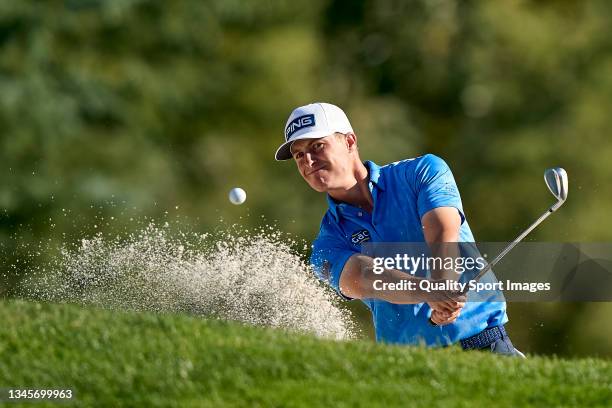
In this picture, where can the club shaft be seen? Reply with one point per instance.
(513, 244)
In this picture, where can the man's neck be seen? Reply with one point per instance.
(357, 193)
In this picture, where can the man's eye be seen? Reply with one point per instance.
(298, 155)
(318, 146)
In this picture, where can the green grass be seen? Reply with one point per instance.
(139, 359)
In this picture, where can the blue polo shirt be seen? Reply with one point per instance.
(402, 193)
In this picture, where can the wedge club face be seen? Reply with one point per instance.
(557, 183)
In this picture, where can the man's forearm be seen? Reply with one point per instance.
(360, 279)
(442, 252)
(441, 231)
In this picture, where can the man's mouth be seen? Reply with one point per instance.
(315, 170)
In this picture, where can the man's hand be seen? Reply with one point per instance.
(443, 318)
(445, 300)
(446, 306)
(445, 312)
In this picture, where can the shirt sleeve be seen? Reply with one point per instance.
(435, 186)
(329, 255)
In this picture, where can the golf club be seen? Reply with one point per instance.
(556, 181)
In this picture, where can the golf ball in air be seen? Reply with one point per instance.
(237, 196)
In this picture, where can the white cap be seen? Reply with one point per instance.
(312, 122)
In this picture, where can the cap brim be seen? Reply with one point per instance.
(284, 151)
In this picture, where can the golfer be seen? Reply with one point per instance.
(413, 200)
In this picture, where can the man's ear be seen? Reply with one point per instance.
(351, 141)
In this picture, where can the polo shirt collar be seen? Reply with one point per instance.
(374, 176)
(374, 173)
(333, 207)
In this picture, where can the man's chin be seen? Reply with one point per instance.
(319, 186)
(319, 189)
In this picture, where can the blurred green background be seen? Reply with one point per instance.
(124, 109)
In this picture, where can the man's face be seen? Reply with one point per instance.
(325, 163)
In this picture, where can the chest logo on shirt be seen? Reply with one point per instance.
(360, 236)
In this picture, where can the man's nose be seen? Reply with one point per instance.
(309, 160)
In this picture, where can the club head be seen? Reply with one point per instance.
(556, 181)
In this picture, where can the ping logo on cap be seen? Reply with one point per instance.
(298, 124)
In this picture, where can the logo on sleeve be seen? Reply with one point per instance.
(299, 124)
(449, 188)
(360, 236)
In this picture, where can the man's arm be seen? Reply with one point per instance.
(441, 225)
(357, 282)
(441, 230)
